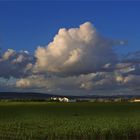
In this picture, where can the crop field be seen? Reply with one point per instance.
(69, 121)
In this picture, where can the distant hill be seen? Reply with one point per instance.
(24, 95)
(30, 95)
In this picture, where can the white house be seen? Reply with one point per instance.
(64, 99)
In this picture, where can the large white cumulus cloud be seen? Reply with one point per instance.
(86, 59)
(76, 51)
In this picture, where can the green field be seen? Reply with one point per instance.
(44, 121)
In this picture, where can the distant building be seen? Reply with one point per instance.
(64, 99)
(135, 100)
(58, 99)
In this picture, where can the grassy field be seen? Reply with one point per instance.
(43, 121)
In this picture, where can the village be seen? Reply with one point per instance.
(65, 99)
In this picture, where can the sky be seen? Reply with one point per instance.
(70, 47)
(25, 25)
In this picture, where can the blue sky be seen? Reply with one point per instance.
(25, 25)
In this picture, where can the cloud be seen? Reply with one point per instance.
(133, 57)
(103, 83)
(100, 80)
(15, 64)
(7, 83)
(53, 82)
(76, 51)
(130, 63)
(78, 60)
(132, 80)
(128, 68)
(24, 83)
